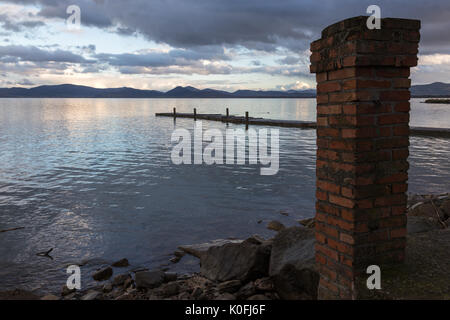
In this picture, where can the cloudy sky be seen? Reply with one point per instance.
(221, 44)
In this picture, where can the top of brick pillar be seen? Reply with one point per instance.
(350, 43)
(358, 23)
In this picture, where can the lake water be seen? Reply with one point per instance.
(93, 179)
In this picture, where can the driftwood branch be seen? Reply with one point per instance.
(437, 213)
(12, 229)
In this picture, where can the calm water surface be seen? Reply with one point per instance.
(93, 179)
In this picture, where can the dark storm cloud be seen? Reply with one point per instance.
(15, 53)
(9, 25)
(177, 57)
(255, 24)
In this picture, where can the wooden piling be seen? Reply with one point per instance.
(246, 120)
(195, 114)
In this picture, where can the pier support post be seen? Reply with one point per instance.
(362, 148)
(246, 120)
(195, 114)
(174, 113)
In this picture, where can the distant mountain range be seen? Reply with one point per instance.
(75, 91)
(436, 89)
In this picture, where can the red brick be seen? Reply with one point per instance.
(321, 77)
(393, 118)
(400, 154)
(328, 132)
(401, 83)
(327, 230)
(340, 201)
(402, 106)
(333, 109)
(326, 87)
(322, 98)
(399, 95)
(346, 238)
(328, 186)
(322, 121)
(333, 254)
(402, 130)
(320, 195)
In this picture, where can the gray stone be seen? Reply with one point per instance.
(121, 263)
(125, 296)
(197, 292)
(293, 245)
(149, 279)
(309, 223)
(197, 250)
(229, 286)
(417, 224)
(92, 295)
(292, 264)
(226, 296)
(120, 279)
(170, 289)
(108, 287)
(235, 261)
(275, 225)
(445, 209)
(128, 282)
(246, 291)
(179, 254)
(292, 283)
(264, 284)
(258, 297)
(175, 259)
(66, 291)
(170, 276)
(49, 297)
(103, 274)
(422, 210)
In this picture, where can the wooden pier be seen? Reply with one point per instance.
(246, 120)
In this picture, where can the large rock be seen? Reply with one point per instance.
(120, 279)
(292, 264)
(292, 283)
(149, 279)
(275, 226)
(103, 274)
(121, 263)
(294, 245)
(241, 261)
(417, 224)
(197, 250)
(445, 209)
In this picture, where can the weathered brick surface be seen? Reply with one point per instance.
(362, 138)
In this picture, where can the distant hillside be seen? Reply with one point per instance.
(75, 91)
(435, 89)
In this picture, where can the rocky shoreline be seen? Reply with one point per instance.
(282, 267)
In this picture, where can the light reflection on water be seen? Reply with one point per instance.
(93, 179)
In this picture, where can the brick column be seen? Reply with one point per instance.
(362, 148)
